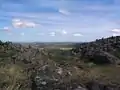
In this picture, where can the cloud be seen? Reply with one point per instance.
(77, 34)
(16, 20)
(115, 30)
(6, 29)
(116, 34)
(64, 32)
(64, 12)
(52, 33)
(22, 34)
(17, 23)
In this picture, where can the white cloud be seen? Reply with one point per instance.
(64, 12)
(16, 20)
(116, 30)
(17, 23)
(52, 34)
(22, 34)
(5, 29)
(8, 30)
(116, 34)
(64, 32)
(77, 34)
(29, 24)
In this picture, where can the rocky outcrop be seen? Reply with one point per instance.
(102, 51)
(47, 84)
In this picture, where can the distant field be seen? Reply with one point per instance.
(61, 48)
(65, 48)
(54, 46)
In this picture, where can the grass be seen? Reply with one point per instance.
(106, 74)
(12, 77)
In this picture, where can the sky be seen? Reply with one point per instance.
(58, 20)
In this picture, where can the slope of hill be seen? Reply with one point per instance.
(102, 51)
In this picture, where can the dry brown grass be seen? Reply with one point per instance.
(107, 74)
(12, 77)
(103, 74)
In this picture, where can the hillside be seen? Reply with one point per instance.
(88, 66)
(101, 51)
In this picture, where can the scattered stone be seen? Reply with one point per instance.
(43, 83)
(60, 71)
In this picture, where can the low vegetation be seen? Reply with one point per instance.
(28, 67)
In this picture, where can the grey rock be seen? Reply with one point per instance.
(80, 88)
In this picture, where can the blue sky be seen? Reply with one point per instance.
(58, 20)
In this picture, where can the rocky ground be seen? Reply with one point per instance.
(88, 66)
